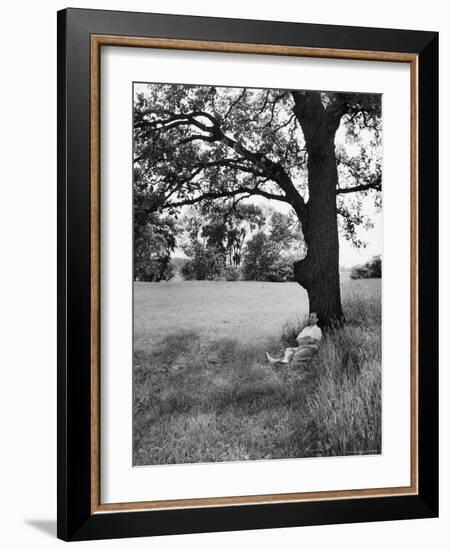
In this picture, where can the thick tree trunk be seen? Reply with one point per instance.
(318, 272)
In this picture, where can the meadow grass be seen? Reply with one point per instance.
(207, 394)
(344, 409)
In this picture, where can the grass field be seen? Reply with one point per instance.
(203, 390)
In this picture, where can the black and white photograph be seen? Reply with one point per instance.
(257, 273)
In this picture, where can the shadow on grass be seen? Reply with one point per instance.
(200, 401)
(166, 351)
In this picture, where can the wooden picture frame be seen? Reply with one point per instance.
(81, 35)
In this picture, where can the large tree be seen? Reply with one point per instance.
(203, 143)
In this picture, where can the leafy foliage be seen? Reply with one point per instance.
(371, 269)
(226, 228)
(201, 264)
(154, 241)
(270, 256)
(259, 257)
(214, 239)
(202, 143)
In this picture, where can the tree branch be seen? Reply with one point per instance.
(278, 98)
(196, 137)
(375, 185)
(225, 194)
(230, 163)
(284, 124)
(234, 103)
(267, 168)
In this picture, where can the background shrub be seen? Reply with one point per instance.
(371, 269)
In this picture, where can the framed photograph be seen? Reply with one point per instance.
(247, 256)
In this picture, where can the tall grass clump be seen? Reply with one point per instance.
(345, 407)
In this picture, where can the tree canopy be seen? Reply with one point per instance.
(203, 143)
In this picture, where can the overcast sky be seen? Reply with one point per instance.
(350, 256)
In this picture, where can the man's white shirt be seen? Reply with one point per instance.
(313, 331)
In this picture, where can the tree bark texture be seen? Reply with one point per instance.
(318, 272)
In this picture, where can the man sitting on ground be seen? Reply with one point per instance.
(307, 341)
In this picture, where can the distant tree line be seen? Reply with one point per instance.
(369, 270)
(219, 243)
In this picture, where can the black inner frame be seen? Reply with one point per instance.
(75, 521)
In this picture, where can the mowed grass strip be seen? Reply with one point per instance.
(203, 399)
